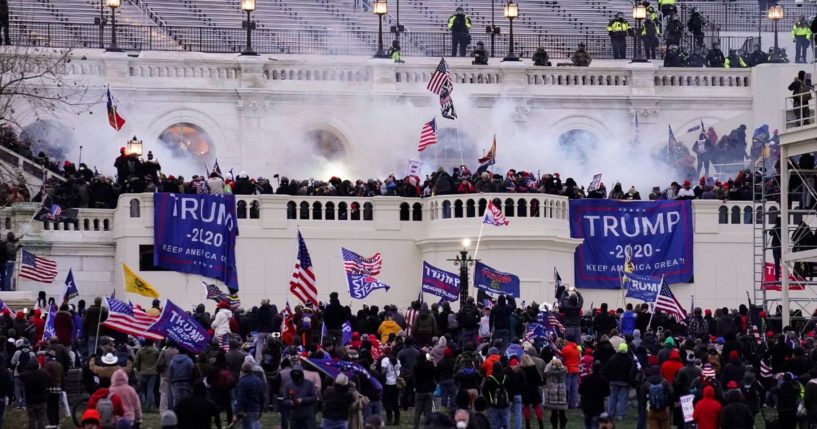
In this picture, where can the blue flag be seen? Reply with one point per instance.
(644, 288)
(360, 273)
(196, 234)
(175, 324)
(347, 333)
(440, 282)
(534, 331)
(494, 281)
(332, 368)
(71, 290)
(49, 330)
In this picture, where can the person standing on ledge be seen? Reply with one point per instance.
(618, 29)
(460, 25)
(801, 35)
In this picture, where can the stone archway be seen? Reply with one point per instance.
(188, 140)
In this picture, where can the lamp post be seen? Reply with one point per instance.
(639, 14)
(776, 14)
(113, 4)
(134, 146)
(398, 28)
(511, 11)
(380, 8)
(249, 7)
(462, 260)
(492, 29)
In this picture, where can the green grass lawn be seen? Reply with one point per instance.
(16, 419)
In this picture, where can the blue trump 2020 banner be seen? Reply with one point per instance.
(440, 282)
(658, 235)
(642, 287)
(196, 234)
(494, 281)
(175, 324)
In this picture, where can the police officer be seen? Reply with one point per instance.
(734, 60)
(667, 7)
(801, 33)
(618, 29)
(480, 55)
(674, 30)
(540, 57)
(460, 24)
(650, 34)
(697, 58)
(673, 57)
(715, 58)
(695, 24)
(581, 57)
(757, 56)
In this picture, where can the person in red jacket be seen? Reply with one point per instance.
(39, 324)
(707, 410)
(670, 368)
(570, 358)
(64, 325)
(102, 392)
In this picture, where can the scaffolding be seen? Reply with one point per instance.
(784, 240)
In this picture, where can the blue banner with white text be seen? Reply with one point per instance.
(177, 325)
(644, 288)
(440, 283)
(494, 281)
(658, 235)
(196, 234)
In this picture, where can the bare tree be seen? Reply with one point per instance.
(41, 80)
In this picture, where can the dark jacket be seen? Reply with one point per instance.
(620, 368)
(501, 316)
(36, 383)
(305, 391)
(249, 394)
(735, 414)
(424, 376)
(337, 399)
(196, 411)
(264, 318)
(593, 389)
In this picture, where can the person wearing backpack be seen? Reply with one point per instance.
(108, 405)
(35, 383)
(425, 326)
(19, 361)
(222, 380)
(658, 393)
(468, 318)
(146, 365)
(131, 405)
(496, 390)
(181, 377)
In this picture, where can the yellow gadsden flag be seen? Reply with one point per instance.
(136, 284)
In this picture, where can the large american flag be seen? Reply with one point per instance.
(493, 215)
(356, 264)
(667, 303)
(130, 320)
(302, 284)
(440, 79)
(428, 136)
(38, 269)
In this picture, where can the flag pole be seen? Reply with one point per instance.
(479, 237)
(653, 304)
(459, 139)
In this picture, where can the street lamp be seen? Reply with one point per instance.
(134, 147)
(462, 260)
(380, 8)
(113, 4)
(249, 7)
(776, 14)
(511, 11)
(398, 28)
(492, 29)
(639, 14)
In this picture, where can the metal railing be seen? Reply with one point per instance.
(736, 16)
(306, 42)
(800, 111)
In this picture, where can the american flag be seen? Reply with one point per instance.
(667, 303)
(125, 318)
(213, 292)
(4, 309)
(38, 269)
(535, 330)
(765, 369)
(55, 212)
(440, 79)
(550, 322)
(493, 215)
(428, 136)
(233, 301)
(411, 315)
(356, 264)
(302, 284)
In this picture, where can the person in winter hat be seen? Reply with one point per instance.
(707, 411)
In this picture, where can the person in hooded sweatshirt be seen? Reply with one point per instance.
(671, 367)
(131, 405)
(35, 382)
(787, 394)
(337, 401)
(707, 411)
(197, 411)
(593, 389)
(249, 398)
(425, 326)
(627, 321)
(301, 397)
(735, 414)
(620, 371)
(734, 370)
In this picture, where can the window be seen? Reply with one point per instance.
(146, 258)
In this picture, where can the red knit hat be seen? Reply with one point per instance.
(733, 355)
(732, 385)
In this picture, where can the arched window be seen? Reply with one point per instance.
(317, 211)
(759, 215)
(470, 209)
(735, 219)
(458, 209)
(330, 211)
(241, 209)
(7, 222)
(134, 208)
(291, 211)
(522, 210)
(186, 140)
(255, 209)
(86, 224)
(343, 214)
(355, 210)
(534, 208)
(404, 212)
(723, 215)
(106, 225)
(96, 225)
(509, 207)
(446, 209)
(368, 211)
(304, 210)
(747, 215)
(417, 212)
(482, 204)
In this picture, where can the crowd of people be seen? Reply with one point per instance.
(480, 367)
